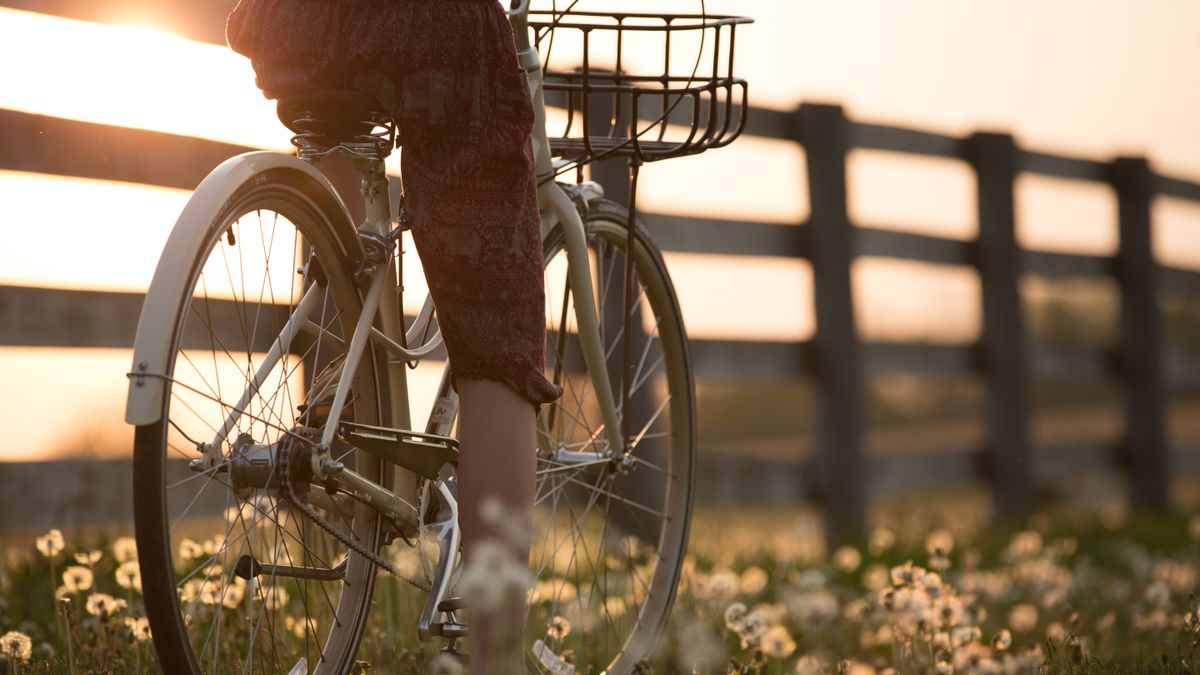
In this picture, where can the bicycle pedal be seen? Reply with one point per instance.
(450, 629)
(423, 454)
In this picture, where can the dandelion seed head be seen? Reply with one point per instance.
(103, 605)
(777, 643)
(847, 559)
(734, 614)
(1023, 617)
(875, 577)
(88, 557)
(445, 664)
(124, 549)
(17, 646)
(880, 541)
(138, 627)
(77, 578)
(190, 549)
(812, 664)
(129, 575)
(1002, 640)
(753, 580)
(939, 542)
(51, 544)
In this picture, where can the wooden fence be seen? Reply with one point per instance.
(841, 477)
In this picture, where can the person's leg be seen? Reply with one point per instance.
(496, 461)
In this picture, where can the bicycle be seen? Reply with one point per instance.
(275, 458)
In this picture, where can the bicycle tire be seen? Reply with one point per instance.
(614, 629)
(294, 625)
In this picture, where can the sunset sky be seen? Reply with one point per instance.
(1088, 78)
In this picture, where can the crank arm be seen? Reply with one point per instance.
(248, 568)
(448, 542)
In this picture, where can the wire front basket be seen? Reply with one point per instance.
(640, 86)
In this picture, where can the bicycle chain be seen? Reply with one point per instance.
(312, 515)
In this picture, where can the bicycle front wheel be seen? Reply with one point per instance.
(611, 524)
(236, 577)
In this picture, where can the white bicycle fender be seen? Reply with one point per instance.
(160, 310)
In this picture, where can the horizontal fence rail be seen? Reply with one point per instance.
(839, 475)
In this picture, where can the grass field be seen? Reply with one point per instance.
(928, 591)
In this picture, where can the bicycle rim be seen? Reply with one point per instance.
(197, 528)
(609, 538)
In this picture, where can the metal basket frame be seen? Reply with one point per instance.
(708, 105)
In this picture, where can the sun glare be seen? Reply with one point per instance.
(132, 76)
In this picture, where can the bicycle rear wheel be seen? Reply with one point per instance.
(610, 531)
(220, 544)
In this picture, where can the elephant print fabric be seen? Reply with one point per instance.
(447, 69)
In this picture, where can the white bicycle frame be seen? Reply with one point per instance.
(161, 317)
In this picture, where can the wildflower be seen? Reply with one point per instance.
(812, 664)
(1023, 618)
(51, 544)
(1056, 632)
(493, 574)
(1002, 640)
(751, 628)
(77, 578)
(777, 643)
(559, 628)
(234, 593)
(1025, 544)
(1157, 594)
(445, 664)
(129, 575)
(939, 542)
(1105, 623)
(615, 607)
(880, 541)
(103, 605)
(88, 558)
(723, 586)
(904, 575)
(847, 559)
(753, 580)
(875, 577)
(139, 627)
(17, 646)
(734, 614)
(124, 549)
(189, 549)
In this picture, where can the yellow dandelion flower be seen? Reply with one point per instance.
(777, 642)
(129, 575)
(17, 646)
(125, 549)
(88, 557)
(77, 578)
(51, 544)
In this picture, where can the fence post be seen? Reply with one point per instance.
(1144, 447)
(824, 131)
(1002, 343)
